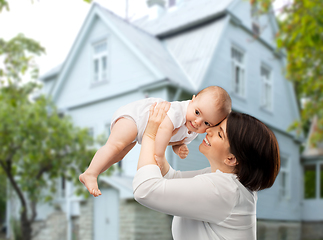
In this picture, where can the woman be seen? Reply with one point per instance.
(218, 202)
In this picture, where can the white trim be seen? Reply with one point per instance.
(285, 193)
(238, 64)
(266, 85)
(142, 58)
(98, 74)
(95, 12)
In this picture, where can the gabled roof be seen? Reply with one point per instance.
(187, 15)
(152, 49)
(122, 183)
(195, 48)
(51, 73)
(146, 47)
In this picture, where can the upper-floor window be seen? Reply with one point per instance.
(284, 177)
(255, 25)
(238, 69)
(266, 87)
(100, 61)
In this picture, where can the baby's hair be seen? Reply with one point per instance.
(221, 96)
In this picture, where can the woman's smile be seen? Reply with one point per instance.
(206, 141)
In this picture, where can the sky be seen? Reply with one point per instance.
(56, 23)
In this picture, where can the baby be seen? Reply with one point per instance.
(208, 108)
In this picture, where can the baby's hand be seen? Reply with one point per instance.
(183, 151)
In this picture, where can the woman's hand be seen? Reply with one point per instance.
(156, 116)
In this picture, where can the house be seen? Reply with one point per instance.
(312, 211)
(179, 48)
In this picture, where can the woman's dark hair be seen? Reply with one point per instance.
(256, 149)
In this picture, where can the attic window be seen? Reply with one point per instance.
(100, 61)
(255, 25)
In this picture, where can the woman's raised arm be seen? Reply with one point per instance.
(156, 116)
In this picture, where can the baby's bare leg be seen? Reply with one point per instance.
(120, 156)
(122, 135)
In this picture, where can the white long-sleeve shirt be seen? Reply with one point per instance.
(205, 205)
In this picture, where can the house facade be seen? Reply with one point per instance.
(179, 48)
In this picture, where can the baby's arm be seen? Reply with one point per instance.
(163, 137)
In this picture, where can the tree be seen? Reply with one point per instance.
(37, 144)
(301, 35)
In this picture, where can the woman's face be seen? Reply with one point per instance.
(215, 145)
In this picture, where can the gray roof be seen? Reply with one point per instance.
(194, 49)
(51, 73)
(122, 183)
(188, 14)
(181, 59)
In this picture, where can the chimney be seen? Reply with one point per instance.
(156, 8)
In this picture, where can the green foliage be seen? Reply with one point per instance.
(4, 5)
(18, 56)
(301, 35)
(37, 141)
(38, 145)
(310, 182)
(16, 229)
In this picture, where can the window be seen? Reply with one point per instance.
(91, 134)
(107, 129)
(255, 19)
(100, 61)
(261, 232)
(309, 181)
(61, 186)
(266, 88)
(284, 177)
(282, 233)
(237, 71)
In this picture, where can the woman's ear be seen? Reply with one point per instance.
(231, 160)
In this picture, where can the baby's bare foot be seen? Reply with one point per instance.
(90, 182)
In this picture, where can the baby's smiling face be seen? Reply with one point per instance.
(202, 113)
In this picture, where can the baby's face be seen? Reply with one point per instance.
(201, 114)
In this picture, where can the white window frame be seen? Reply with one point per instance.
(267, 87)
(238, 83)
(255, 22)
(98, 56)
(284, 178)
(61, 188)
(107, 129)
